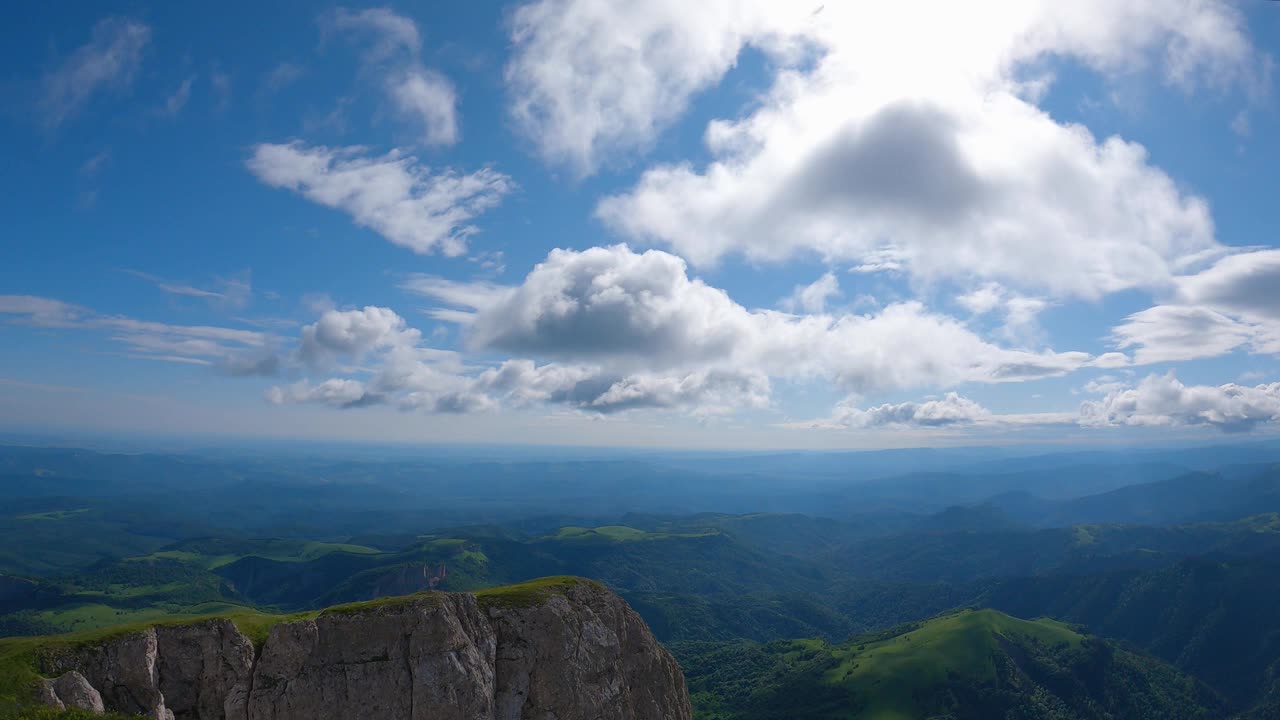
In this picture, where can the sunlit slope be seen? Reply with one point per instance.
(966, 665)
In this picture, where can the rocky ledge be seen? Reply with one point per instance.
(562, 648)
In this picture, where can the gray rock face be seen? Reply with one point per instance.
(123, 671)
(431, 659)
(205, 670)
(575, 652)
(74, 691)
(582, 655)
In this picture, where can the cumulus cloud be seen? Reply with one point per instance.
(400, 368)
(108, 61)
(1161, 400)
(642, 312)
(354, 333)
(390, 194)
(335, 392)
(951, 409)
(952, 412)
(417, 92)
(938, 160)
(590, 388)
(590, 80)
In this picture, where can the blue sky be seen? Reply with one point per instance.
(751, 224)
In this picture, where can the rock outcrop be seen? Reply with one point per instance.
(563, 648)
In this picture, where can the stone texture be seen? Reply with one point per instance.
(429, 659)
(574, 653)
(75, 692)
(46, 695)
(205, 670)
(123, 671)
(582, 655)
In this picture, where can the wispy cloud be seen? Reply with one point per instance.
(108, 61)
(280, 77)
(391, 194)
(393, 51)
(94, 164)
(220, 82)
(233, 292)
(174, 103)
(238, 351)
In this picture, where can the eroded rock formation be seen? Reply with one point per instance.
(569, 650)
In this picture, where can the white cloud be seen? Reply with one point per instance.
(592, 79)
(391, 194)
(1245, 283)
(335, 392)
(1104, 385)
(1169, 333)
(951, 409)
(935, 158)
(108, 61)
(708, 392)
(430, 96)
(42, 312)
(983, 299)
(1021, 313)
(238, 352)
(1162, 400)
(522, 382)
(232, 293)
(401, 369)
(452, 292)
(813, 297)
(416, 91)
(391, 33)
(641, 312)
(354, 333)
(1235, 303)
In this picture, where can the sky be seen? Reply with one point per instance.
(733, 223)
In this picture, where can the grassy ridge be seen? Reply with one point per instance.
(964, 665)
(899, 670)
(19, 656)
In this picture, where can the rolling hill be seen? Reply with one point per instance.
(964, 665)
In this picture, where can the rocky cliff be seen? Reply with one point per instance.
(560, 648)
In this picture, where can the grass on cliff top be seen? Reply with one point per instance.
(19, 656)
(529, 593)
(42, 713)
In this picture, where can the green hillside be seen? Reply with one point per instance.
(966, 665)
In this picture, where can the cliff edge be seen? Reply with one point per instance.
(562, 648)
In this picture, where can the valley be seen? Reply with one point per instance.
(901, 608)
